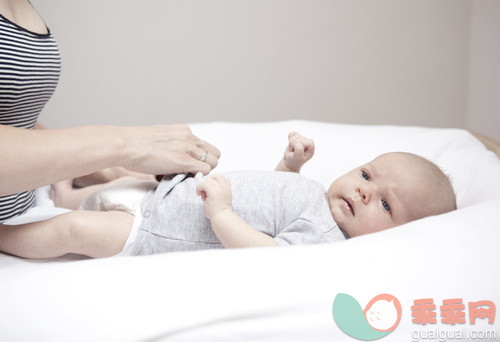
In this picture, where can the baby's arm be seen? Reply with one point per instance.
(231, 230)
(297, 153)
(95, 234)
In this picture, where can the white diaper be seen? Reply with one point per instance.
(121, 195)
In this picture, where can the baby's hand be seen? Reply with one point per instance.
(299, 150)
(216, 192)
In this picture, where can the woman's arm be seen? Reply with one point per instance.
(34, 158)
(231, 230)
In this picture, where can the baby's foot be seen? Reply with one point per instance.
(60, 192)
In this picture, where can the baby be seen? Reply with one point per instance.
(237, 209)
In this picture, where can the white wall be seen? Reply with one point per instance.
(484, 79)
(375, 62)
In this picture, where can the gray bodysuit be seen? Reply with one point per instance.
(287, 206)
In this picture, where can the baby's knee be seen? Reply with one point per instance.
(69, 228)
(95, 234)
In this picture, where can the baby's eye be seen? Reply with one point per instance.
(365, 175)
(386, 206)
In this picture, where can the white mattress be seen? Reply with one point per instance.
(278, 294)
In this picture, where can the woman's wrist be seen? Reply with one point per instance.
(122, 148)
(128, 146)
(97, 148)
(108, 147)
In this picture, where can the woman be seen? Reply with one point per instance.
(32, 156)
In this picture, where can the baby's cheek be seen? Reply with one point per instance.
(373, 221)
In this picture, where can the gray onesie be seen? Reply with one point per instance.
(287, 206)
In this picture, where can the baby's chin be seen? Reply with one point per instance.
(344, 229)
(338, 215)
(353, 231)
(346, 235)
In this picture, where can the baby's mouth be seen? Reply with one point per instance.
(349, 204)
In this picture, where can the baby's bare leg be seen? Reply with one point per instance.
(95, 234)
(65, 196)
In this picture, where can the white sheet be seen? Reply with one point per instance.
(279, 293)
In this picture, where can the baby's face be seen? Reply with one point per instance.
(384, 193)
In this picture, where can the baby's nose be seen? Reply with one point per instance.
(364, 193)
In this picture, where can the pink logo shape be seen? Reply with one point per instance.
(383, 312)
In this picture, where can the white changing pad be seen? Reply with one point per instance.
(279, 294)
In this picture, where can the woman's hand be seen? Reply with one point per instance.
(299, 150)
(216, 192)
(179, 149)
(169, 149)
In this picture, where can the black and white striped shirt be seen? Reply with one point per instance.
(30, 65)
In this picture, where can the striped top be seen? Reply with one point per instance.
(30, 65)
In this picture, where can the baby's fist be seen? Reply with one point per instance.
(299, 150)
(216, 192)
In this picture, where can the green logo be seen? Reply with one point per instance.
(379, 318)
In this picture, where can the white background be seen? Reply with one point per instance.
(426, 62)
